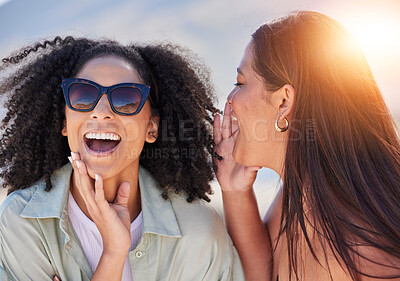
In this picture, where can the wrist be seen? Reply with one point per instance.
(241, 190)
(238, 196)
(114, 256)
(115, 253)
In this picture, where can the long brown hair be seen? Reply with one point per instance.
(343, 154)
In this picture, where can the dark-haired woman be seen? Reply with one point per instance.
(308, 107)
(134, 123)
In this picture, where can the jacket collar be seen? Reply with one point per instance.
(49, 204)
(158, 214)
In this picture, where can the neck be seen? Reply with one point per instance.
(279, 163)
(110, 186)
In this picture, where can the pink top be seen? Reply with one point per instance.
(91, 240)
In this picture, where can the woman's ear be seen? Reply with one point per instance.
(64, 129)
(152, 129)
(286, 94)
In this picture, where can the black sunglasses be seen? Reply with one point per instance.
(125, 98)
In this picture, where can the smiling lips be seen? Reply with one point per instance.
(235, 124)
(101, 143)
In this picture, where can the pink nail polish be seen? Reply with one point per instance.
(78, 164)
(70, 159)
(96, 177)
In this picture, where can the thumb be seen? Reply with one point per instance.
(251, 172)
(123, 194)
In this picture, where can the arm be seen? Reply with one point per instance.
(248, 233)
(23, 252)
(110, 267)
(243, 221)
(112, 220)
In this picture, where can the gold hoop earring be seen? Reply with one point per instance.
(279, 129)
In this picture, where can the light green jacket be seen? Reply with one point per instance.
(180, 241)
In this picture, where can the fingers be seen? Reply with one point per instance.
(227, 122)
(98, 187)
(83, 182)
(99, 194)
(217, 129)
(123, 194)
(75, 156)
(251, 172)
(55, 278)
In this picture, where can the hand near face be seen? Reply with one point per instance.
(231, 175)
(112, 219)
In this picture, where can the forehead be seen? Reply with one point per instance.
(109, 70)
(246, 64)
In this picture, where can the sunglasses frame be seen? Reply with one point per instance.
(68, 82)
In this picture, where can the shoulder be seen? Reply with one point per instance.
(34, 201)
(14, 228)
(197, 217)
(21, 239)
(14, 204)
(12, 223)
(200, 223)
(204, 232)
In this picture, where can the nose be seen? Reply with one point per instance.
(232, 94)
(102, 109)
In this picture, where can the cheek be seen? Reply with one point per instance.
(136, 127)
(71, 123)
(240, 107)
(256, 120)
(251, 113)
(72, 132)
(135, 130)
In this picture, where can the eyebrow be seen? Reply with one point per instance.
(239, 71)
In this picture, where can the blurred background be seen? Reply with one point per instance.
(217, 30)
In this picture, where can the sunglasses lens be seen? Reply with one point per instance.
(126, 99)
(82, 96)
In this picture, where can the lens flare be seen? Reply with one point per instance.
(377, 34)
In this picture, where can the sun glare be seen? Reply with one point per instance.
(378, 35)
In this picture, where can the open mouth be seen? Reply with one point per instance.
(235, 124)
(101, 142)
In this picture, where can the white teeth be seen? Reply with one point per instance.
(102, 136)
(233, 115)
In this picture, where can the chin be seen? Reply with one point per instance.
(104, 170)
(242, 157)
(249, 155)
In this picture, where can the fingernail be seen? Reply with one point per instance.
(78, 164)
(70, 159)
(96, 177)
(73, 154)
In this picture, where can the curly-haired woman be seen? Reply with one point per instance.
(134, 121)
(308, 107)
